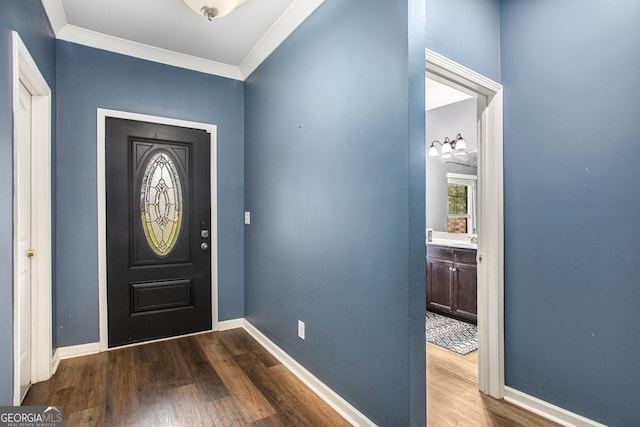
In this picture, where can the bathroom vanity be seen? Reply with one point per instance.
(451, 279)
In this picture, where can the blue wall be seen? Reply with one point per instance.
(334, 156)
(89, 79)
(466, 31)
(29, 20)
(572, 248)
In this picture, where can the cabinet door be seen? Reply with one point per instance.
(439, 285)
(465, 291)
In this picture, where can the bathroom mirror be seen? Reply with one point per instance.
(461, 203)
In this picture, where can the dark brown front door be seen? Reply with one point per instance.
(158, 231)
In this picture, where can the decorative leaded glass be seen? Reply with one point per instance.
(161, 204)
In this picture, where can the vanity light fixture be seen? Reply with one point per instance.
(213, 8)
(457, 147)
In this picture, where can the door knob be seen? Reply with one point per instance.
(204, 246)
(30, 253)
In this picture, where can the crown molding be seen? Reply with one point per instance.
(55, 12)
(286, 24)
(291, 19)
(102, 41)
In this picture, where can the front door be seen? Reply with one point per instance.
(158, 231)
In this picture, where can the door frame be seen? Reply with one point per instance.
(26, 71)
(490, 215)
(102, 114)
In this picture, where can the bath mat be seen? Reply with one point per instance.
(452, 334)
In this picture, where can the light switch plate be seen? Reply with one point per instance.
(300, 329)
(247, 218)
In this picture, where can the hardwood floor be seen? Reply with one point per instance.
(216, 379)
(228, 379)
(453, 398)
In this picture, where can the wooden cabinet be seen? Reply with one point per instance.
(452, 282)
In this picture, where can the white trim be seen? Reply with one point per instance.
(71, 351)
(26, 71)
(291, 19)
(55, 12)
(450, 70)
(102, 41)
(102, 114)
(341, 406)
(55, 362)
(230, 324)
(548, 410)
(490, 216)
(284, 26)
(68, 352)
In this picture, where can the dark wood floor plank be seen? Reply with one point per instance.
(310, 401)
(205, 376)
(226, 413)
(86, 417)
(283, 400)
(238, 341)
(272, 421)
(38, 393)
(255, 405)
(68, 373)
(121, 394)
(93, 375)
(188, 407)
(174, 369)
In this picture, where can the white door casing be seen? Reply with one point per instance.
(31, 153)
(490, 215)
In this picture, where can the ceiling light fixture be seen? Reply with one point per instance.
(458, 148)
(213, 8)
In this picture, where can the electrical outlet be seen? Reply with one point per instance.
(300, 329)
(247, 218)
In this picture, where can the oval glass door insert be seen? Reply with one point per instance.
(161, 206)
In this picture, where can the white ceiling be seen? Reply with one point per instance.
(439, 95)
(168, 31)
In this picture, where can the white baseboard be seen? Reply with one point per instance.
(225, 325)
(341, 406)
(547, 410)
(62, 353)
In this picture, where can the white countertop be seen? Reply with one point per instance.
(453, 243)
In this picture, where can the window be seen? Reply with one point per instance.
(461, 203)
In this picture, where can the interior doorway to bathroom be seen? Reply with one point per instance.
(451, 246)
(475, 211)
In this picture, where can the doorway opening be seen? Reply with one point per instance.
(32, 329)
(488, 217)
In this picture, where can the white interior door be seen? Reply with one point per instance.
(23, 199)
